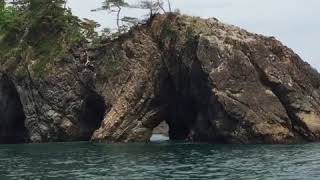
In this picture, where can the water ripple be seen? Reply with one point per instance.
(159, 161)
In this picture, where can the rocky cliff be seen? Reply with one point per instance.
(207, 80)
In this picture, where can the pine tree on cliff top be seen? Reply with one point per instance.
(116, 6)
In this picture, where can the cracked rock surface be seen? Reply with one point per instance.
(208, 81)
(213, 82)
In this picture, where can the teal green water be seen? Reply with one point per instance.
(159, 161)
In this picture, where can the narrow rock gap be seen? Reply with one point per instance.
(188, 100)
(92, 114)
(179, 112)
(12, 117)
(192, 112)
(181, 117)
(185, 93)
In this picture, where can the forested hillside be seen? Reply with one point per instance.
(39, 31)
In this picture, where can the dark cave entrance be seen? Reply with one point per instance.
(12, 117)
(180, 112)
(92, 114)
(186, 96)
(180, 117)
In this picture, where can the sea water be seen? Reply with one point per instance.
(159, 160)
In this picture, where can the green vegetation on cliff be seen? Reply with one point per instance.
(36, 30)
(36, 33)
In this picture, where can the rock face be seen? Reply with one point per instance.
(60, 105)
(207, 80)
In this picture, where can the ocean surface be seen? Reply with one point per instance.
(159, 160)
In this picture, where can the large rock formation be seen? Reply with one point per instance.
(207, 80)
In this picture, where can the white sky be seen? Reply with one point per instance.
(295, 22)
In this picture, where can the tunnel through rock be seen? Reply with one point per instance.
(180, 117)
(186, 97)
(12, 117)
(92, 113)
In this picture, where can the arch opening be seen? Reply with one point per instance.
(180, 111)
(92, 114)
(190, 109)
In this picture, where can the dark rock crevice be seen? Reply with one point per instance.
(12, 117)
(180, 110)
(281, 92)
(180, 114)
(212, 123)
(93, 110)
(193, 111)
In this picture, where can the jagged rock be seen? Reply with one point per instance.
(60, 105)
(213, 82)
(207, 80)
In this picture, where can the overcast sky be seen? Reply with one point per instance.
(295, 22)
